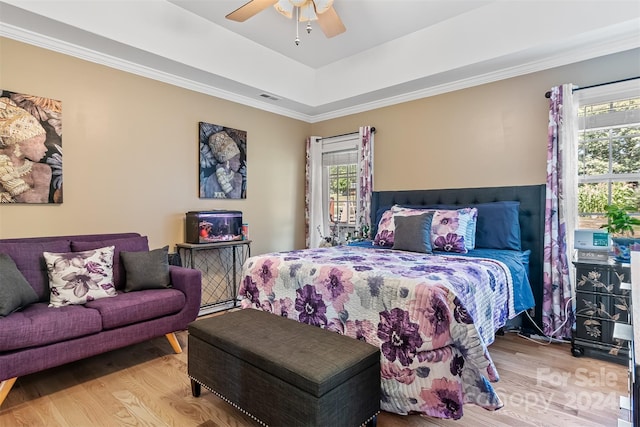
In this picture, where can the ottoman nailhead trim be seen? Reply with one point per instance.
(230, 402)
(251, 415)
(370, 418)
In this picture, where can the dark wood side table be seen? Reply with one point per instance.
(603, 299)
(220, 264)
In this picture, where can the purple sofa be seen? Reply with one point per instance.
(38, 337)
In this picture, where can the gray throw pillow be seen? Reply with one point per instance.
(413, 233)
(15, 291)
(146, 270)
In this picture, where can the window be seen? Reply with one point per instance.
(608, 150)
(340, 184)
(333, 169)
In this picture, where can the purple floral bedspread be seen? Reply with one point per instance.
(432, 316)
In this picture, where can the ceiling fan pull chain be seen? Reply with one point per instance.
(297, 40)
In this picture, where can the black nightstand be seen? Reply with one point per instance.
(602, 300)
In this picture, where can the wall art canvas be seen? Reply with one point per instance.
(223, 162)
(30, 148)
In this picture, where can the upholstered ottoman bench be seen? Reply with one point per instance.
(283, 373)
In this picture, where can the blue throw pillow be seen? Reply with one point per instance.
(498, 226)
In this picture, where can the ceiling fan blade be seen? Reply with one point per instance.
(249, 9)
(331, 23)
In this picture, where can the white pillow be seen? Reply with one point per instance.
(78, 277)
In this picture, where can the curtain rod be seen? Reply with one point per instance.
(548, 94)
(373, 130)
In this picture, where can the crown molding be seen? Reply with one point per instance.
(627, 41)
(567, 55)
(100, 58)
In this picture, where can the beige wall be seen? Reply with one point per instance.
(131, 155)
(131, 146)
(489, 135)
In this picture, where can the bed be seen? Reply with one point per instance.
(432, 312)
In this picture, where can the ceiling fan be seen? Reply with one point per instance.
(306, 11)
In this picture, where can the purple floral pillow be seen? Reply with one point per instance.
(451, 230)
(386, 227)
(78, 277)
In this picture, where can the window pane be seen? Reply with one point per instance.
(591, 222)
(593, 153)
(626, 194)
(592, 198)
(342, 181)
(625, 151)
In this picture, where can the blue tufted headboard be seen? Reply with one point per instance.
(532, 206)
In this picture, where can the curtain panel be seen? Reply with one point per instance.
(560, 213)
(365, 178)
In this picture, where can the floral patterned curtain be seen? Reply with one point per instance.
(561, 192)
(365, 177)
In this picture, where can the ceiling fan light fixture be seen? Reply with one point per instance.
(308, 12)
(284, 7)
(322, 6)
(304, 10)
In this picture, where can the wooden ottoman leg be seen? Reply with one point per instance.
(195, 388)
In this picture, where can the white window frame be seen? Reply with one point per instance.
(600, 95)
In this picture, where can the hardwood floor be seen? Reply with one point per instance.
(147, 385)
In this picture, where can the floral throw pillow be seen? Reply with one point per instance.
(78, 277)
(385, 231)
(451, 230)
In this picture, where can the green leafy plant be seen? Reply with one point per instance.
(619, 222)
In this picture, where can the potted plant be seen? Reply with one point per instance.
(620, 227)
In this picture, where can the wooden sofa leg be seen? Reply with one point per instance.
(5, 387)
(174, 342)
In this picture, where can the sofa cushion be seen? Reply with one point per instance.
(129, 244)
(78, 277)
(28, 257)
(37, 325)
(134, 307)
(146, 270)
(15, 291)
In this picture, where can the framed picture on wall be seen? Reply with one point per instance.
(223, 162)
(30, 148)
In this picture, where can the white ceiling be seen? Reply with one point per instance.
(392, 50)
(369, 24)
